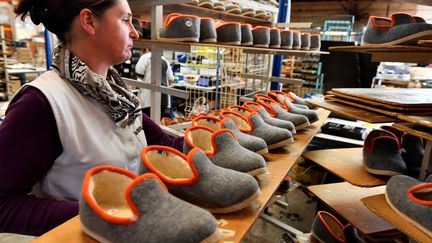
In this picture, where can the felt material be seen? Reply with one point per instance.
(381, 154)
(275, 38)
(249, 12)
(299, 100)
(271, 134)
(232, 8)
(260, 14)
(246, 35)
(229, 33)
(219, 6)
(181, 28)
(305, 41)
(394, 34)
(217, 188)
(249, 142)
(397, 196)
(276, 122)
(261, 36)
(315, 42)
(231, 155)
(208, 31)
(162, 218)
(206, 4)
(326, 228)
(296, 40)
(299, 121)
(311, 115)
(286, 39)
(351, 234)
(304, 107)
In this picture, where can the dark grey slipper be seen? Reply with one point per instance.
(195, 179)
(305, 41)
(296, 40)
(411, 199)
(246, 35)
(261, 36)
(275, 38)
(412, 153)
(223, 150)
(315, 42)
(228, 33)
(381, 155)
(118, 206)
(399, 29)
(208, 31)
(327, 228)
(286, 39)
(179, 27)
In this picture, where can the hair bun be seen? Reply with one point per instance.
(38, 14)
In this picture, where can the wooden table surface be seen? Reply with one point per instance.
(279, 162)
(344, 199)
(347, 163)
(379, 205)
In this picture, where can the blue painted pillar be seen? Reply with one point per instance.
(284, 16)
(47, 49)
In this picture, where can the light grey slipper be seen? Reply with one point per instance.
(118, 206)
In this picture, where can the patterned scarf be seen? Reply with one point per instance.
(121, 104)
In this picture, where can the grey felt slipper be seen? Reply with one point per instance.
(411, 199)
(296, 40)
(315, 42)
(275, 38)
(286, 39)
(223, 150)
(118, 206)
(269, 119)
(381, 155)
(274, 137)
(327, 228)
(232, 8)
(311, 115)
(246, 35)
(252, 143)
(208, 31)
(206, 4)
(249, 142)
(300, 121)
(248, 12)
(195, 179)
(228, 33)
(400, 29)
(179, 27)
(219, 6)
(261, 36)
(305, 41)
(297, 101)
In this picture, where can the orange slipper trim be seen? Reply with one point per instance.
(260, 28)
(224, 113)
(177, 182)
(171, 17)
(96, 208)
(215, 119)
(240, 109)
(373, 19)
(413, 189)
(227, 23)
(267, 107)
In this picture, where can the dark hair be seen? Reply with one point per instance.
(57, 15)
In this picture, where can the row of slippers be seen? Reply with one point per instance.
(191, 28)
(233, 8)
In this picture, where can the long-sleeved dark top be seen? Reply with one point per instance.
(29, 145)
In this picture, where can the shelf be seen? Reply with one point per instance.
(352, 112)
(391, 53)
(187, 47)
(347, 163)
(344, 199)
(140, 4)
(279, 162)
(379, 205)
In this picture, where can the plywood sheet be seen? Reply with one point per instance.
(352, 112)
(344, 198)
(400, 109)
(279, 162)
(392, 96)
(379, 205)
(413, 129)
(419, 120)
(347, 163)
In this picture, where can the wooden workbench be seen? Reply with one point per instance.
(279, 163)
(347, 163)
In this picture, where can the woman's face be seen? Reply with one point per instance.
(115, 33)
